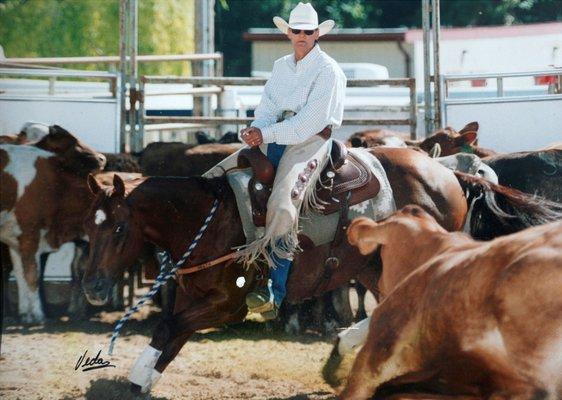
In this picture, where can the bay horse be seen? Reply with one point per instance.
(168, 211)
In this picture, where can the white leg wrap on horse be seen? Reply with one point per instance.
(143, 372)
(154, 378)
(353, 337)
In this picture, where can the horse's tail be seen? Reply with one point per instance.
(498, 210)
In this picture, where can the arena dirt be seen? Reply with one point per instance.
(239, 362)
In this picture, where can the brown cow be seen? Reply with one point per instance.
(462, 318)
(180, 159)
(377, 137)
(43, 196)
(442, 143)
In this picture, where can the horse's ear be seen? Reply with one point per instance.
(364, 234)
(471, 126)
(466, 138)
(118, 186)
(93, 184)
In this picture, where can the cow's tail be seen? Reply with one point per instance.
(498, 210)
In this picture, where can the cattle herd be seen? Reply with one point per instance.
(457, 316)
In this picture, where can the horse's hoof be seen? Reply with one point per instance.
(32, 319)
(136, 391)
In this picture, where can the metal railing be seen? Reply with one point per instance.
(113, 61)
(499, 77)
(217, 85)
(32, 102)
(52, 74)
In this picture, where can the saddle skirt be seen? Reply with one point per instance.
(354, 175)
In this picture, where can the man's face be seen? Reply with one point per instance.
(302, 42)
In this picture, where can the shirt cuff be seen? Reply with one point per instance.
(268, 134)
(259, 123)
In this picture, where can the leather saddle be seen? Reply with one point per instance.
(344, 181)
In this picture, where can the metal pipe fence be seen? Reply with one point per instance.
(217, 86)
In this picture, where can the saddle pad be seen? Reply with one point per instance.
(318, 227)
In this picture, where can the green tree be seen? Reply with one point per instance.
(234, 17)
(59, 28)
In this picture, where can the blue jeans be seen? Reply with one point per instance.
(279, 277)
(275, 152)
(282, 266)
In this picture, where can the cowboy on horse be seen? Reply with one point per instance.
(301, 103)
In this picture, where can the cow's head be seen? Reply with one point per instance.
(375, 138)
(400, 227)
(450, 141)
(410, 228)
(74, 155)
(115, 239)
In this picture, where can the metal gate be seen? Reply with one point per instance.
(514, 117)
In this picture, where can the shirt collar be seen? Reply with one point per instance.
(308, 60)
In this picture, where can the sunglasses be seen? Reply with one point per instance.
(307, 32)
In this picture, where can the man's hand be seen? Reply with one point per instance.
(251, 136)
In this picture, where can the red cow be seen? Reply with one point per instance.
(42, 201)
(462, 317)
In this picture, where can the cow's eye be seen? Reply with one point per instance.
(119, 229)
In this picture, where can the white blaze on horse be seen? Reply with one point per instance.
(461, 317)
(43, 198)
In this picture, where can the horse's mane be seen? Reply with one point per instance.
(217, 186)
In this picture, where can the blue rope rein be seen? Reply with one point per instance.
(162, 277)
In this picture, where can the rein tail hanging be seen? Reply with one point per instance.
(162, 277)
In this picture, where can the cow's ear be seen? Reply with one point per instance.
(58, 140)
(466, 138)
(435, 151)
(94, 186)
(358, 142)
(118, 186)
(22, 137)
(364, 234)
(471, 126)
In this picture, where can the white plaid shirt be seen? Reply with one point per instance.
(313, 88)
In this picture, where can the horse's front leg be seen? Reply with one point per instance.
(172, 333)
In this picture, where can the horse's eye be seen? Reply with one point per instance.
(119, 229)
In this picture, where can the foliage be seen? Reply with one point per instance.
(240, 15)
(59, 28)
(48, 28)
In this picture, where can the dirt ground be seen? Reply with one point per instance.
(238, 362)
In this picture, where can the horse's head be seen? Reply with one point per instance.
(115, 239)
(74, 155)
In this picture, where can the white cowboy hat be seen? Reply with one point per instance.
(303, 17)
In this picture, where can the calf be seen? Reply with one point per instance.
(461, 317)
(43, 198)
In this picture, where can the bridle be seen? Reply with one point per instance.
(164, 275)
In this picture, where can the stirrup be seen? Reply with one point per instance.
(270, 315)
(261, 300)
